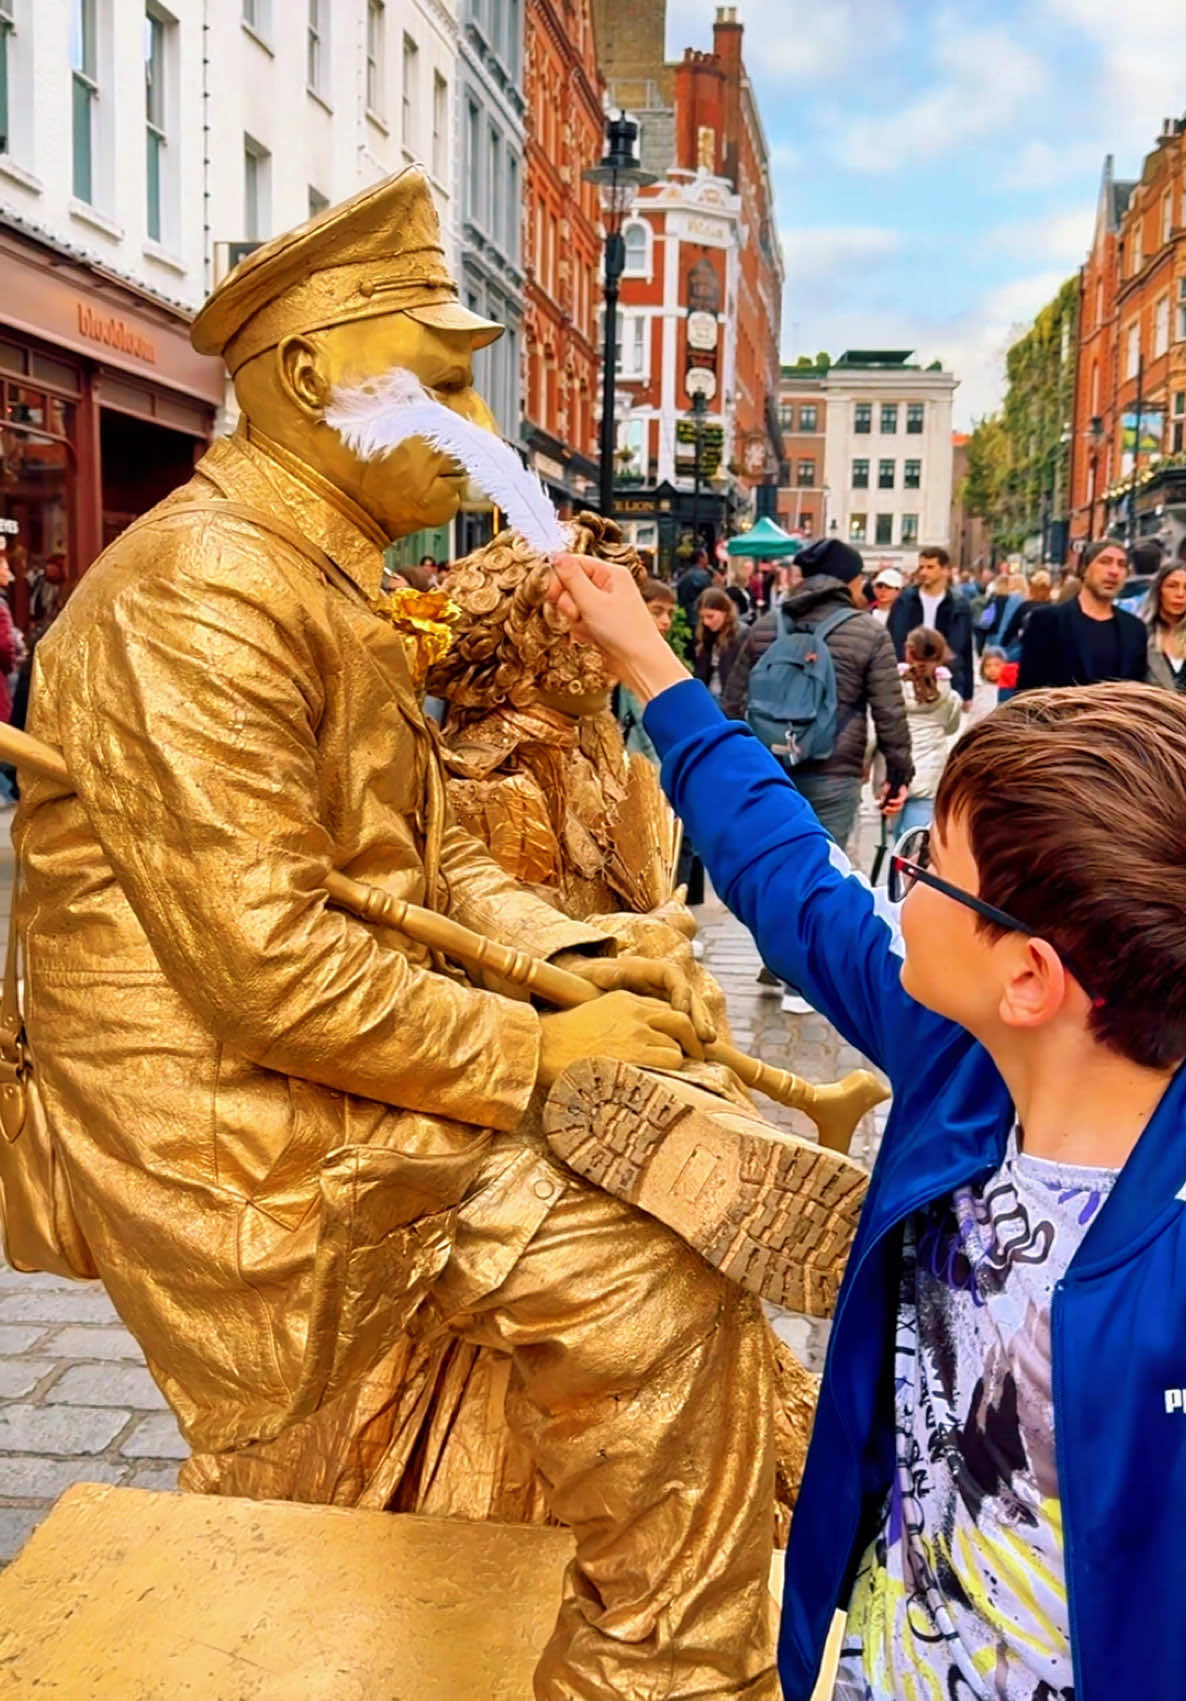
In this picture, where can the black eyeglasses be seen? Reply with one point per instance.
(910, 863)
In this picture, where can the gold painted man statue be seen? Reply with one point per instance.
(301, 1150)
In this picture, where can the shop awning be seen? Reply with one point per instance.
(765, 541)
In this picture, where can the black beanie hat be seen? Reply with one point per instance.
(828, 555)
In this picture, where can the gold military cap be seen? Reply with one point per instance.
(379, 252)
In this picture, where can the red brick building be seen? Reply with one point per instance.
(803, 419)
(701, 308)
(562, 247)
(1131, 357)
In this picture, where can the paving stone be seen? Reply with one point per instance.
(14, 1339)
(23, 1476)
(95, 1342)
(40, 1281)
(155, 1438)
(19, 1376)
(161, 1478)
(106, 1385)
(58, 1430)
(17, 1524)
(81, 1305)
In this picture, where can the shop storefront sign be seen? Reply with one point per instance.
(115, 333)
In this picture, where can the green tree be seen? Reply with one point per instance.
(988, 468)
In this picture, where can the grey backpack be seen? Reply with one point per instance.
(792, 690)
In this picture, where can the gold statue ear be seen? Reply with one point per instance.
(301, 376)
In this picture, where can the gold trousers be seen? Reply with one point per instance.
(640, 1389)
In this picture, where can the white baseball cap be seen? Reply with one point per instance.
(891, 577)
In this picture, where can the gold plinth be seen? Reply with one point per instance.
(124, 1595)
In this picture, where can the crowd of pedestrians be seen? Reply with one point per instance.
(852, 675)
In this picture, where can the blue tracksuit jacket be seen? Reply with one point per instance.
(1118, 1326)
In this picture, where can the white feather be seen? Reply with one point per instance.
(374, 418)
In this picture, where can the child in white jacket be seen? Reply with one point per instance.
(933, 711)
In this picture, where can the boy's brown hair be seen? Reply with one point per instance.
(1074, 802)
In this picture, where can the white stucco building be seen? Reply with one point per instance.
(888, 455)
(142, 144)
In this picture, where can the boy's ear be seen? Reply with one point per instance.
(1036, 990)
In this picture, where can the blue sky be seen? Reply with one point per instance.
(937, 165)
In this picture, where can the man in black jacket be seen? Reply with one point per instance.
(692, 582)
(930, 601)
(1086, 640)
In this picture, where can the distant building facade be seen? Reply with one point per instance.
(803, 420)
(888, 455)
(970, 535)
(562, 249)
(142, 149)
(1130, 412)
(702, 292)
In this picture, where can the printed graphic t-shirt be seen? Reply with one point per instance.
(962, 1594)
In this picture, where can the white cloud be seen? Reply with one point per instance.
(972, 344)
(1042, 165)
(821, 253)
(983, 79)
(1060, 238)
(1142, 70)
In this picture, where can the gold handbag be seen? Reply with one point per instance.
(37, 1221)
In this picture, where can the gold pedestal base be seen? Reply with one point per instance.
(125, 1595)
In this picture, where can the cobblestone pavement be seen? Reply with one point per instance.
(76, 1402)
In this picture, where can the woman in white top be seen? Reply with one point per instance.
(933, 712)
(1164, 614)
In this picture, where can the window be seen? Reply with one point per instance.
(885, 474)
(257, 15)
(884, 529)
(915, 412)
(440, 127)
(637, 249)
(84, 63)
(1161, 327)
(807, 417)
(889, 418)
(1132, 349)
(909, 528)
(912, 475)
(154, 116)
(376, 56)
(257, 190)
(632, 349)
(473, 161)
(786, 416)
(1167, 215)
(317, 202)
(7, 31)
(514, 35)
(496, 183)
(862, 418)
(806, 475)
(513, 215)
(857, 525)
(411, 103)
(315, 46)
(1138, 248)
(1181, 337)
(860, 475)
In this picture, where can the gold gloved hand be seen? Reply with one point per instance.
(649, 977)
(621, 1025)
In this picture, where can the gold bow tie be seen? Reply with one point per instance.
(424, 620)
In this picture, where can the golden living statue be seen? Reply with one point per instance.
(305, 1157)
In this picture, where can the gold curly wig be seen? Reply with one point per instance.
(510, 644)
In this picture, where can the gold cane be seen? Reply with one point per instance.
(835, 1109)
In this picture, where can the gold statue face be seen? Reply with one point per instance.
(510, 646)
(285, 390)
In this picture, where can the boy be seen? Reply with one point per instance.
(997, 1478)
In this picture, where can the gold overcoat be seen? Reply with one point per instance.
(269, 1109)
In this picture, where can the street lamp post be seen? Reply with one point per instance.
(619, 177)
(699, 409)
